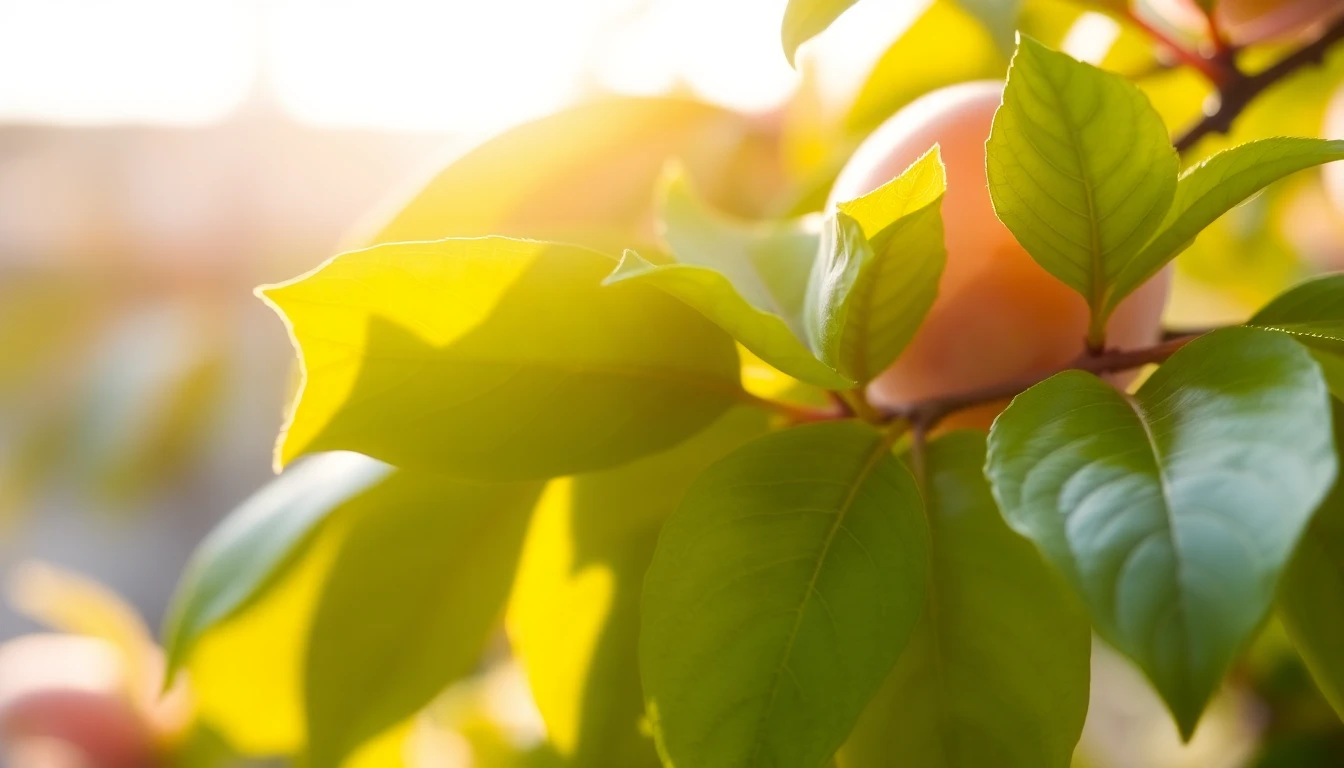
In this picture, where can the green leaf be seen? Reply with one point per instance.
(1312, 313)
(496, 359)
(781, 592)
(805, 19)
(1080, 169)
(1312, 591)
(1173, 512)
(920, 61)
(749, 279)
(1214, 187)
(246, 553)
(413, 594)
(877, 271)
(573, 618)
(996, 672)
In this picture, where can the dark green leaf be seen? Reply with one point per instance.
(413, 594)
(1080, 169)
(781, 592)
(1313, 313)
(249, 549)
(1173, 512)
(1311, 597)
(996, 673)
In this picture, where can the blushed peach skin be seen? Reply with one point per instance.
(998, 314)
(1246, 22)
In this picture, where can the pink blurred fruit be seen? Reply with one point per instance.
(1245, 22)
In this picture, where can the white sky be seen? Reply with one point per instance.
(440, 65)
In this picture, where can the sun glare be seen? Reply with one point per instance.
(403, 65)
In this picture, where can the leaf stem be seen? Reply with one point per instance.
(1238, 93)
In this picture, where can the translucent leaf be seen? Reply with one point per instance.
(1214, 187)
(781, 592)
(1080, 169)
(996, 672)
(412, 595)
(1173, 512)
(805, 19)
(877, 272)
(246, 553)
(921, 61)
(496, 358)
(1312, 591)
(573, 617)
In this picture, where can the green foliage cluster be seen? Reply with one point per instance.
(851, 592)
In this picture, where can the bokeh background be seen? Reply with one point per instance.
(160, 158)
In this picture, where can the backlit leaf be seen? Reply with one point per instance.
(1173, 512)
(1214, 187)
(749, 279)
(413, 593)
(877, 272)
(573, 617)
(253, 545)
(496, 358)
(996, 672)
(1312, 592)
(1080, 169)
(780, 594)
(805, 19)
(1312, 313)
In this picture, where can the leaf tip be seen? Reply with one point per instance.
(631, 265)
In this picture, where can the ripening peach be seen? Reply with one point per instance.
(998, 314)
(1244, 22)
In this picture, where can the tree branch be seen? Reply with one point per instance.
(1238, 93)
(926, 414)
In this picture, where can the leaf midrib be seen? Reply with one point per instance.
(1181, 606)
(881, 446)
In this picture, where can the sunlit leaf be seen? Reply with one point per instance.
(1080, 169)
(1312, 591)
(996, 672)
(877, 272)
(921, 61)
(496, 358)
(749, 279)
(573, 617)
(412, 595)
(1212, 188)
(1312, 313)
(805, 19)
(585, 175)
(247, 671)
(1173, 512)
(781, 592)
(246, 553)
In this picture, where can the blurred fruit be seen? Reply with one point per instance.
(998, 314)
(1245, 22)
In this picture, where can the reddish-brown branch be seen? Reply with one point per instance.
(926, 414)
(1238, 93)
(1219, 70)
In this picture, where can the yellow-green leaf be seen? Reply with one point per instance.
(412, 595)
(573, 617)
(496, 358)
(805, 19)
